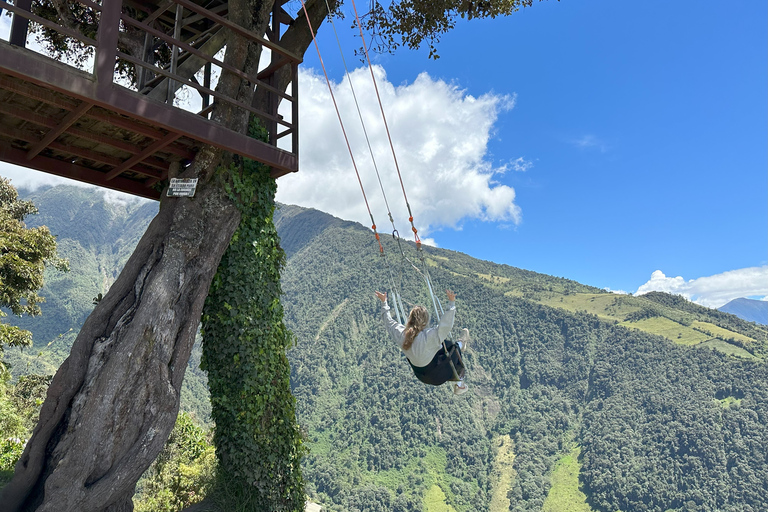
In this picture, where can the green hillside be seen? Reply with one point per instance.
(579, 399)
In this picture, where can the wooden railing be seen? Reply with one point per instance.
(180, 40)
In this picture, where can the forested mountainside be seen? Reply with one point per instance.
(654, 403)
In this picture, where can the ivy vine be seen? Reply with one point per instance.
(258, 442)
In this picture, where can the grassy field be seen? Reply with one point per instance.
(565, 495)
(718, 332)
(502, 475)
(434, 501)
(616, 308)
(727, 348)
(671, 330)
(729, 401)
(607, 306)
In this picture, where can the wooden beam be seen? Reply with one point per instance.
(52, 135)
(106, 52)
(41, 94)
(76, 172)
(20, 24)
(79, 152)
(151, 150)
(283, 17)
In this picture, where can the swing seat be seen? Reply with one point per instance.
(439, 370)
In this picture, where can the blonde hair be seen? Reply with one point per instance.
(417, 322)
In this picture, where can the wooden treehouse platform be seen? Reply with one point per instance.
(83, 121)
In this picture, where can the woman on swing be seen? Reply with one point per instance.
(424, 347)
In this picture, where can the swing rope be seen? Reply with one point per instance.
(341, 123)
(386, 126)
(397, 299)
(360, 116)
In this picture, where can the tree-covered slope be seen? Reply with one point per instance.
(555, 368)
(657, 421)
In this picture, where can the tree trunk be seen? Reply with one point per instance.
(114, 400)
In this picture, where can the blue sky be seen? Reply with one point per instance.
(602, 141)
(645, 124)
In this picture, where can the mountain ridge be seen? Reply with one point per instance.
(553, 363)
(750, 310)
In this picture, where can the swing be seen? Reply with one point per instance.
(447, 364)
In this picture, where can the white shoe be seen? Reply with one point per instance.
(464, 339)
(460, 389)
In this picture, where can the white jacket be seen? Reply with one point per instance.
(428, 341)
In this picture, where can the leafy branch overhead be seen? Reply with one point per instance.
(411, 23)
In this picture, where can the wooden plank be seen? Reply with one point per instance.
(52, 135)
(79, 152)
(152, 149)
(76, 172)
(39, 93)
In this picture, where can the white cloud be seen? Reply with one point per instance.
(521, 165)
(22, 177)
(712, 291)
(440, 135)
(590, 141)
(618, 292)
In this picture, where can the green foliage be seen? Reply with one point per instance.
(11, 422)
(677, 426)
(24, 253)
(182, 474)
(654, 430)
(258, 442)
(19, 409)
(411, 22)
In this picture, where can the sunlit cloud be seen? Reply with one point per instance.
(440, 135)
(713, 291)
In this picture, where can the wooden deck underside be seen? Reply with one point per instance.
(61, 120)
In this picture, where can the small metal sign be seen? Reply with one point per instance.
(182, 187)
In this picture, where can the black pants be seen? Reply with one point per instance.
(439, 370)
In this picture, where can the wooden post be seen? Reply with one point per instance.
(206, 84)
(106, 52)
(295, 109)
(175, 55)
(20, 24)
(145, 53)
